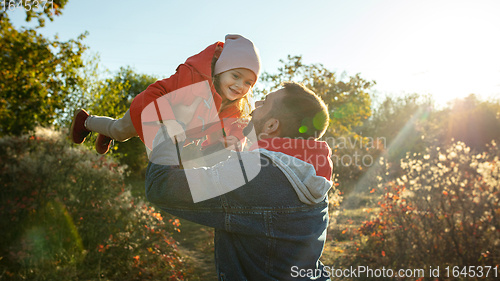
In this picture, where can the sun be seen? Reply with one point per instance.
(448, 49)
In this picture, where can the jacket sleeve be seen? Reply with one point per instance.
(195, 194)
(170, 92)
(158, 100)
(235, 128)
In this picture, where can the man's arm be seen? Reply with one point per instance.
(167, 187)
(195, 194)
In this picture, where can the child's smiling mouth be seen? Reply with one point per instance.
(235, 92)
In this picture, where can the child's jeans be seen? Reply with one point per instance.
(118, 129)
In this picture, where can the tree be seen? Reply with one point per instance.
(103, 96)
(472, 121)
(348, 101)
(114, 95)
(36, 74)
(402, 122)
(109, 97)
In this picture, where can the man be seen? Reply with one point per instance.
(270, 216)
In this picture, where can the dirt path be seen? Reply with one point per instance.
(196, 246)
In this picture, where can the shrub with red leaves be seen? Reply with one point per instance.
(443, 211)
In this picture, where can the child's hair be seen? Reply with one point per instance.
(243, 104)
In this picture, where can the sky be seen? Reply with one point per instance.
(446, 48)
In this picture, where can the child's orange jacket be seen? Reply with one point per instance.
(192, 79)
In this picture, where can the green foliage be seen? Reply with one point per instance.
(352, 158)
(138, 82)
(132, 152)
(81, 97)
(444, 211)
(114, 102)
(66, 214)
(109, 97)
(37, 75)
(348, 101)
(390, 117)
(112, 96)
(99, 96)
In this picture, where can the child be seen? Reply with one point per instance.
(221, 76)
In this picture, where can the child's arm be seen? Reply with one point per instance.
(231, 135)
(234, 132)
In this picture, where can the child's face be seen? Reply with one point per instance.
(235, 83)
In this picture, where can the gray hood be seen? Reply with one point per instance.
(310, 188)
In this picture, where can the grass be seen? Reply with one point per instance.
(196, 245)
(350, 216)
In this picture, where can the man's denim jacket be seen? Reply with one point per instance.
(263, 231)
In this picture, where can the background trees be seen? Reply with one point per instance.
(348, 99)
(37, 75)
(471, 121)
(114, 98)
(43, 81)
(48, 12)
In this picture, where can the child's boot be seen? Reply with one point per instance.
(102, 144)
(78, 132)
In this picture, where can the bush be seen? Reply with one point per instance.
(444, 211)
(66, 214)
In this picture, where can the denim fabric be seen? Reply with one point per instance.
(262, 229)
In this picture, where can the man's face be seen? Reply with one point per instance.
(263, 111)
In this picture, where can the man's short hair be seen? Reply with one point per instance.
(302, 113)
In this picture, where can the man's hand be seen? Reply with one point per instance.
(231, 142)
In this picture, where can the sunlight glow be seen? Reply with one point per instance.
(445, 48)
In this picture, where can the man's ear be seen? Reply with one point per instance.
(272, 127)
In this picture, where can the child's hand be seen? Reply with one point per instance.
(231, 142)
(175, 129)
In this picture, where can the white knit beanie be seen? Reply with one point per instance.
(238, 52)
